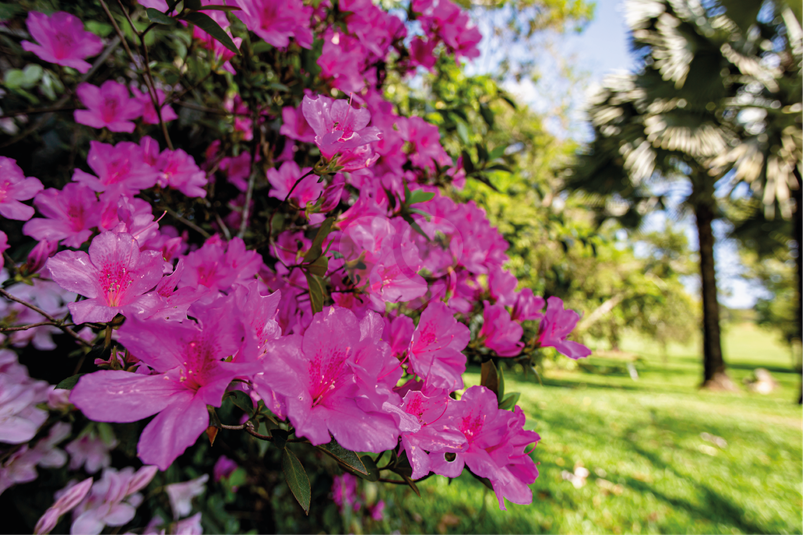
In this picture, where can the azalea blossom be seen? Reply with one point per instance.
(62, 40)
(70, 215)
(499, 332)
(338, 126)
(121, 168)
(149, 115)
(276, 22)
(114, 276)
(556, 325)
(435, 348)
(109, 106)
(16, 187)
(318, 373)
(191, 374)
(495, 446)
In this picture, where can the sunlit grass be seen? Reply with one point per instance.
(655, 464)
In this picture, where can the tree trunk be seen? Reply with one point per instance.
(714, 376)
(798, 230)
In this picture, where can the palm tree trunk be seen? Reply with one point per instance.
(798, 230)
(714, 376)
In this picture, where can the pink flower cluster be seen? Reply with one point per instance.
(379, 368)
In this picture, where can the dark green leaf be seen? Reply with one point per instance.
(316, 292)
(419, 195)
(370, 465)
(242, 401)
(482, 153)
(319, 267)
(9, 11)
(195, 5)
(501, 393)
(411, 483)
(401, 465)
(69, 382)
(509, 401)
(297, 479)
(344, 456)
(468, 165)
(280, 437)
(317, 244)
(211, 27)
(489, 378)
(498, 152)
(218, 8)
(499, 167)
(487, 115)
(154, 15)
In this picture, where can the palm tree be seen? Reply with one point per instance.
(768, 155)
(681, 116)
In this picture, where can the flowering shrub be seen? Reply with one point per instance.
(282, 263)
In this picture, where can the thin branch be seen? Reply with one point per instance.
(119, 32)
(297, 182)
(56, 322)
(187, 222)
(249, 192)
(34, 111)
(26, 327)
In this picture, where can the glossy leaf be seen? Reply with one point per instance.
(207, 24)
(297, 479)
(370, 465)
(344, 456)
(489, 377)
(70, 382)
(154, 15)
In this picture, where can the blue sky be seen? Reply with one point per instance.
(600, 50)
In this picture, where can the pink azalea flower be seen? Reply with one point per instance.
(499, 332)
(237, 170)
(219, 266)
(20, 467)
(344, 492)
(112, 501)
(3, 248)
(290, 246)
(425, 139)
(435, 350)
(70, 215)
(15, 187)
(502, 286)
(114, 276)
(191, 375)
(20, 418)
(421, 53)
(356, 159)
(223, 468)
(62, 40)
(168, 303)
(277, 21)
(91, 452)
(495, 446)
(326, 388)
(179, 171)
(181, 495)
(295, 126)
(282, 181)
(556, 325)
(398, 334)
(259, 312)
(424, 429)
(148, 112)
(338, 126)
(72, 495)
(342, 61)
(527, 306)
(122, 167)
(39, 255)
(110, 106)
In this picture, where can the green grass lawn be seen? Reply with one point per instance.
(651, 449)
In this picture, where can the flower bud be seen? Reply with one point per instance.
(39, 255)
